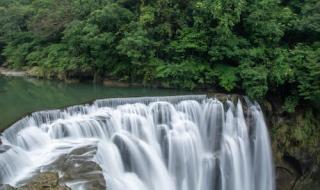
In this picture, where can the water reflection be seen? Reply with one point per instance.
(20, 96)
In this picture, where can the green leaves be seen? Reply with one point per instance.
(259, 47)
(110, 18)
(227, 76)
(186, 74)
(254, 80)
(290, 104)
(266, 21)
(189, 41)
(306, 62)
(50, 18)
(308, 21)
(136, 45)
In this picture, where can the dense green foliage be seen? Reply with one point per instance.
(259, 47)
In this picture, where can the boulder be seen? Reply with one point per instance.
(6, 187)
(43, 181)
(78, 168)
(73, 170)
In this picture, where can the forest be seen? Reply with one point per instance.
(259, 48)
(268, 50)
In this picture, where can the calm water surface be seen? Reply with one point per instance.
(20, 96)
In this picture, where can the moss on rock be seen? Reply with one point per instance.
(296, 149)
(43, 181)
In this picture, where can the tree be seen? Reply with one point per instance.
(262, 48)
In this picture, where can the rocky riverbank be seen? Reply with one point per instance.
(37, 72)
(9, 72)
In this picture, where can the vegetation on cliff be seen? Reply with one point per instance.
(296, 149)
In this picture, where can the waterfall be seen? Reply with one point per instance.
(149, 143)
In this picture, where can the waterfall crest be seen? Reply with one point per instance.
(150, 143)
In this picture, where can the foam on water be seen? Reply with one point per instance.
(152, 143)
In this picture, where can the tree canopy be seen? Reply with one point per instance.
(258, 47)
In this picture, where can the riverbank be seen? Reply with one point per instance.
(78, 77)
(20, 96)
(12, 73)
(38, 73)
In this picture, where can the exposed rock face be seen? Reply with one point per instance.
(6, 187)
(77, 166)
(297, 170)
(75, 169)
(295, 139)
(43, 181)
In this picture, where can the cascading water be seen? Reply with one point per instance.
(152, 143)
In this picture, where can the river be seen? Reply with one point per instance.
(21, 95)
(189, 142)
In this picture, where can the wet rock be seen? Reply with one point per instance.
(4, 148)
(43, 181)
(224, 97)
(292, 172)
(305, 168)
(295, 140)
(7, 187)
(77, 168)
(285, 178)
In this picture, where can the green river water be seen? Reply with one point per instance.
(20, 96)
